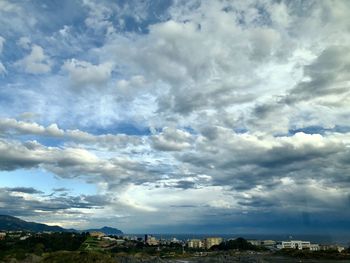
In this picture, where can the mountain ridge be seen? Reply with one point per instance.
(11, 223)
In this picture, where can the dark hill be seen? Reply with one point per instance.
(11, 223)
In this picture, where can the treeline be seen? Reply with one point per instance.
(237, 244)
(38, 244)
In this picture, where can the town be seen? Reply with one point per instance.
(20, 245)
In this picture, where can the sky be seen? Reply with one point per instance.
(176, 116)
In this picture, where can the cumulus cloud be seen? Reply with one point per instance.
(234, 109)
(326, 79)
(7, 6)
(99, 16)
(2, 67)
(9, 126)
(31, 154)
(221, 73)
(68, 162)
(83, 73)
(24, 42)
(171, 139)
(15, 201)
(21, 127)
(2, 41)
(25, 190)
(37, 62)
(131, 86)
(245, 161)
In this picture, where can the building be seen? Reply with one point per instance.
(332, 247)
(295, 244)
(174, 240)
(255, 242)
(2, 235)
(24, 237)
(97, 234)
(314, 247)
(110, 239)
(340, 249)
(195, 243)
(151, 240)
(212, 241)
(263, 243)
(268, 243)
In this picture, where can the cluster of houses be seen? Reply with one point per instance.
(295, 244)
(205, 243)
(14, 234)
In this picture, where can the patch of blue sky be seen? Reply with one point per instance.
(71, 13)
(10, 50)
(120, 128)
(156, 11)
(47, 141)
(240, 130)
(16, 99)
(44, 181)
(320, 130)
(16, 79)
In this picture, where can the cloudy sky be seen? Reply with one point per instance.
(217, 116)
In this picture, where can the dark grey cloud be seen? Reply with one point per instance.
(243, 164)
(18, 205)
(171, 139)
(26, 190)
(74, 162)
(328, 75)
(185, 184)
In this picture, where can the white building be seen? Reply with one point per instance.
(212, 241)
(110, 239)
(2, 235)
(195, 243)
(314, 247)
(296, 244)
(332, 247)
(151, 240)
(268, 243)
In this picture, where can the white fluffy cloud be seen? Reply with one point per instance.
(2, 41)
(36, 62)
(84, 73)
(2, 67)
(172, 140)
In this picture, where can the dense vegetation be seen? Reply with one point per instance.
(236, 244)
(38, 244)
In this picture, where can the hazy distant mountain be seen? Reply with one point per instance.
(11, 223)
(106, 230)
